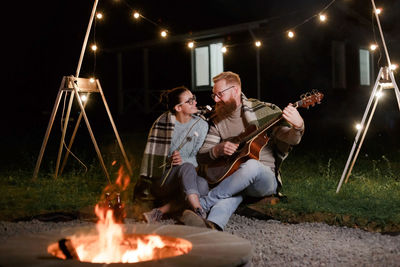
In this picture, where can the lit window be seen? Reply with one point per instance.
(364, 67)
(208, 62)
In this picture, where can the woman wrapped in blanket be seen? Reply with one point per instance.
(169, 160)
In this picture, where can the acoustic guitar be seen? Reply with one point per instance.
(251, 141)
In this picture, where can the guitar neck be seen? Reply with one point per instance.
(267, 125)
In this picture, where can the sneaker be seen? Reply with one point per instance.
(193, 219)
(201, 213)
(153, 216)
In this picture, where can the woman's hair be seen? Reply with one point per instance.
(171, 98)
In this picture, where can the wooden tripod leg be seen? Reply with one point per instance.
(47, 134)
(91, 133)
(362, 138)
(71, 141)
(359, 131)
(127, 163)
(395, 87)
(64, 130)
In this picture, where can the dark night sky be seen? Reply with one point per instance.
(43, 40)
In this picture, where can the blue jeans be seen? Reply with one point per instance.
(182, 178)
(251, 179)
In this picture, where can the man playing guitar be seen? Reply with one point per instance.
(257, 176)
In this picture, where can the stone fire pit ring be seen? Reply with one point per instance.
(210, 247)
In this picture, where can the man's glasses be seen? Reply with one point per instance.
(221, 93)
(190, 101)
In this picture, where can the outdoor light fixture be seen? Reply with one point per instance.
(322, 17)
(84, 98)
(164, 33)
(136, 15)
(258, 43)
(373, 47)
(99, 15)
(379, 94)
(191, 44)
(290, 34)
(94, 47)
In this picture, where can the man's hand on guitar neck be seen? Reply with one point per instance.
(292, 115)
(224, 149)
(176, 158)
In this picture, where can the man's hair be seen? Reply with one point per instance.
(229, 77)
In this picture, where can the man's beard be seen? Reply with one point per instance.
(224, 109)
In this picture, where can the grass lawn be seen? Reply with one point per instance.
(370, 200)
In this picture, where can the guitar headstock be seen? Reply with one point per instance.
(310, 99)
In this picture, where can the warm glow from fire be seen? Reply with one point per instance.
(111, 244)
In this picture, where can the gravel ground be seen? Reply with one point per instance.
(278, 244)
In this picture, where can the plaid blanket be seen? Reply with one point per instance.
(259, 113)
(158, 143)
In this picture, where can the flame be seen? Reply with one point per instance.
(111, 244)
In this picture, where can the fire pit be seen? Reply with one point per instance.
(208, 247)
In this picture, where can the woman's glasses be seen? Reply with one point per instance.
(190, 101)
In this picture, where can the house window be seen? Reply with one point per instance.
(208, 62)
(364, 67)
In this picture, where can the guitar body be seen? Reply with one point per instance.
(224, 167)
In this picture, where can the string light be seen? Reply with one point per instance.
(136, 15)
(358, 126)
(191, 44)
(224, 49)
(94, 47)
(373, 47)
(290, 34)
(258, 43)
(393, 66)
(99, 15)
(84, 98)
(163, 33)
(378, 11)
(322, 17)
(92, 80)
(379, 94)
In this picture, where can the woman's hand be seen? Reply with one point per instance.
(176, 158)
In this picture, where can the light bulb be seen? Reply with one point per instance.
(290, 34)
(94, 47)
(358, 126)
(99, 15)
(373, 47)
(136, 15)
(378, 11)
(322, 17)
(258, 43)
(223, 49)
(164, 33)
(190, 44)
